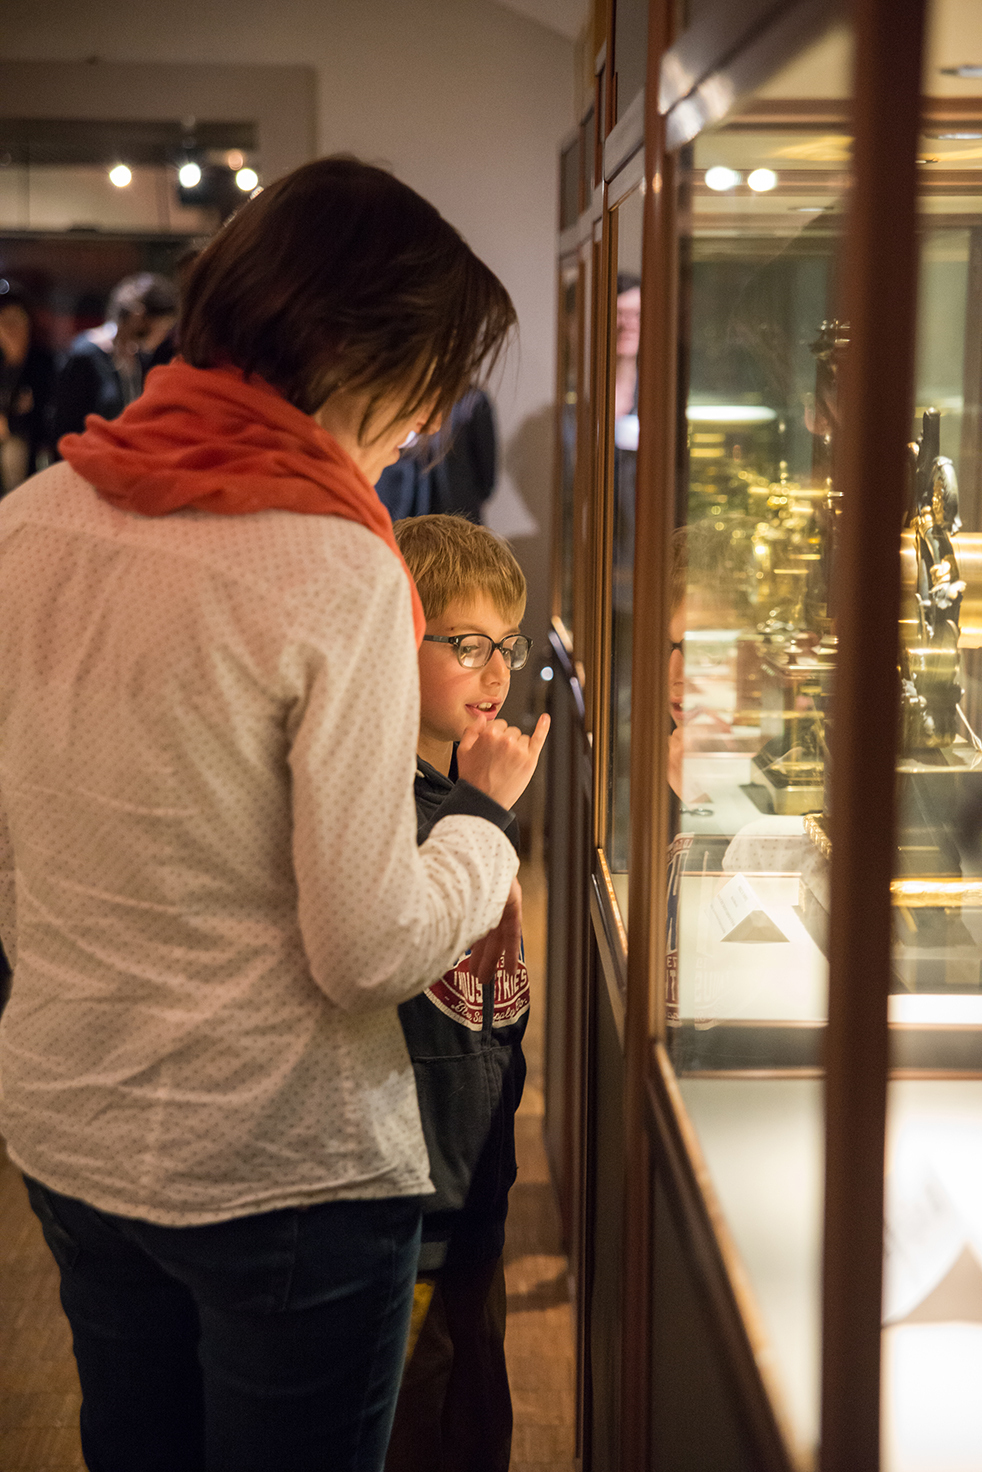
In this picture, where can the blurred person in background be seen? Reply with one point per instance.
(26, 385)
(159, 350)
(453, 473)
(104, 368)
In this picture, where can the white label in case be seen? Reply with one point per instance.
(738, 915)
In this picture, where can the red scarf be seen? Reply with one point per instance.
(209, 438)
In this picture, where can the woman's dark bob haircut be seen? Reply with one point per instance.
(340, 275)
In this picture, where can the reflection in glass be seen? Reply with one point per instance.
(630, 52)
(624, 389)
(568, 334)
(569, 185)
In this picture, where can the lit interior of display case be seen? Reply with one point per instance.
(763, 208)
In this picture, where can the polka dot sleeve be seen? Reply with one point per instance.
(380, 917)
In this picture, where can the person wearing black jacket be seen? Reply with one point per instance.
(104, 368)
(26, 385)
(454, 472)
(465, 1041)
(466, 1047)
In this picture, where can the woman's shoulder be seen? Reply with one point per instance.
(306, 552)
(321, 572)
(46, 496)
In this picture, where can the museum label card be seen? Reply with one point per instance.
(924, 1236)
(738, 915)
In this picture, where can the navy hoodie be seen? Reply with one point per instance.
(465, 1042)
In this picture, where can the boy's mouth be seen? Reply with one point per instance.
(486, 708)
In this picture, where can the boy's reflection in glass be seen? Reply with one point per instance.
(676, 658)
(626, 344)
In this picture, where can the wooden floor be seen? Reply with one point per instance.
(539, 1340)
(39, 1396)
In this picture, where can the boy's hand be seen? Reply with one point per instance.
(499, 760)
(504, 940)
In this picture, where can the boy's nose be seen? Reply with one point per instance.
(496, 672)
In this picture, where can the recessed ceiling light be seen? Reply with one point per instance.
(966, 69)
(120, 175)
(956, 137)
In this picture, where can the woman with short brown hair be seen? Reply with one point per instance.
(210, 886)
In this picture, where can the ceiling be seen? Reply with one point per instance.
(565, 17)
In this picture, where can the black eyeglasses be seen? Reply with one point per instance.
(474, 650)
(676, 645)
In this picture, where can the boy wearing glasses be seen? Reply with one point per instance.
(465, 1041)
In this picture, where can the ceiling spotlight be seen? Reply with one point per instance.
(235, 159)
(957, 137)
(761, 180)
(967, 69)
(247, 179)
(190, 175)
(120, 175)
(721, 178)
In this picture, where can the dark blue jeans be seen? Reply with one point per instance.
(271, 1343)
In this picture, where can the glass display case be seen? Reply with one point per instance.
(784, 598)
(762, 199)
(764, 205)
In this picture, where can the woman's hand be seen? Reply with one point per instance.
(505, 940)
(499, 760)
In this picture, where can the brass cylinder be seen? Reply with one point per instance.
(968, 551)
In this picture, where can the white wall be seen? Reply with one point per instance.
(464, 99)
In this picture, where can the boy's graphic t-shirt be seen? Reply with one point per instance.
(459, 995)
(465, 1042)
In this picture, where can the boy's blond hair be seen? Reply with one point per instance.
(451, 559)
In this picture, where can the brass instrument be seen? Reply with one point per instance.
(797, 658)
(941, 614)
(937, 891)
